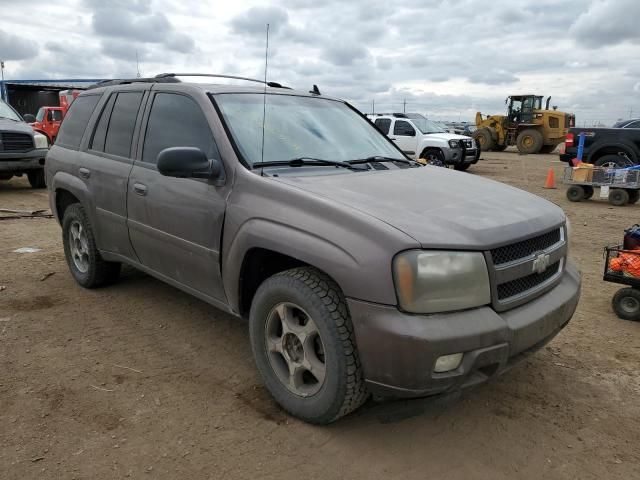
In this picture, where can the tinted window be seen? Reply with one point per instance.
(76, 121)
(634, 125)
(176, 121)
(121, 123)
(100, 133)
(383, 125)
(56, 115)
(403, 128)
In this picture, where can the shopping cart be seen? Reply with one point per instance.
(620, 185)
(623, 267)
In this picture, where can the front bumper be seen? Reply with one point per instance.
(19, 162)
(456, 156)
(398, 351)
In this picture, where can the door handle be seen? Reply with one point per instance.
(84, 172)
(393, 139)
(140, 189)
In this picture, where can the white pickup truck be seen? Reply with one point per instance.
(418, 138)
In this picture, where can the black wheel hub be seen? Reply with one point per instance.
(292, 347)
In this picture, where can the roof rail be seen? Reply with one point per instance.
(233, 77)
(125, 81)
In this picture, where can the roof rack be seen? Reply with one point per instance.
(125, 81)
(397, 115)
(233, 77)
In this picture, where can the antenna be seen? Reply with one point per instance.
(264, 100)
(137, 66)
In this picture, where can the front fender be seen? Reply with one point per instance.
(287, 240)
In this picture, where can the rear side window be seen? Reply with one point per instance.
(121, 123)
(383, 125)
(176, 121)
(634, 125)
(76, 120)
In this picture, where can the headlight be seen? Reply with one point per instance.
(454, 143)
(440, 281)
(40, 141)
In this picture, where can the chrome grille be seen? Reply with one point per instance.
(468, 143)
(522, 249)
(16, 142)
(520, 285)
(518, 272)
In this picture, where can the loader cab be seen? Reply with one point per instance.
(520, 108)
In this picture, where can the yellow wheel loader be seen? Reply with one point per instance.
(527, 125)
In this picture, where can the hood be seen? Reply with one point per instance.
(447, 136)
(7, 125)
(439, 208)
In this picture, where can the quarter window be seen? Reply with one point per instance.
(76, 120)
(176, 121)
(383, 125)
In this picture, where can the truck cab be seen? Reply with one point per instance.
(48, 120)
(420, 138)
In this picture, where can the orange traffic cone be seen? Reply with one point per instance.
(551, 179)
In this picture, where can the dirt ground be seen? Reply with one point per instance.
(141, 380)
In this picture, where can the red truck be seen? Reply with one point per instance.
(48, 119)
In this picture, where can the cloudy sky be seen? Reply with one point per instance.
(445, 58)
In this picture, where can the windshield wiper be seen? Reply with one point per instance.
(302, 161)
(379, 159)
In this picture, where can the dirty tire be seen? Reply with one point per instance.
(432, 155)
(37, 179)
(529, 141)
(548, 148)
(618, 197)
(499, 148)
(634, 196)
(484, 138)
(626, 304)
(612, 161)
(98, 272)
(343, 389)
(576, 193)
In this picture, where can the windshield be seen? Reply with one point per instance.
(298, 127)
(40, 115)
(427, 126)
(7, 112)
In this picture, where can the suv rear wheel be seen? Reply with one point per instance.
(304, 346)
(85, 262)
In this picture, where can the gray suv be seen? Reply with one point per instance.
(360, 272)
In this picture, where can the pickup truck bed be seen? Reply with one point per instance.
(604, 145)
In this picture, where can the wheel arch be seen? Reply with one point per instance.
(258, 252)
(67, 189)
(612, 149)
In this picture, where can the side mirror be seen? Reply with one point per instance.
(186, 162)
(27, 117)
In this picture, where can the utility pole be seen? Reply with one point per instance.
(2, 88)
(373, 106)
(137, 66)
(404, 105)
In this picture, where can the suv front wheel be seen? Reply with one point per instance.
(85, 262)
(304, 346)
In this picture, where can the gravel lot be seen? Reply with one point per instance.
(140, 379)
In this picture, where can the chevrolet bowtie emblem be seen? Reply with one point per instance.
(541, 263)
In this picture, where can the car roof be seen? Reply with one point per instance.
(213, 88)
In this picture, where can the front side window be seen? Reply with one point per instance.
(40, 115)
(76, 121)
(403, 128)
(176, 121)
(300, 127)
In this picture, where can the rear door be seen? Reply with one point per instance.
(175, 224)
(405, 137)
(106, 163)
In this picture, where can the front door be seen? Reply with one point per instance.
(405, 137)
(175, 224)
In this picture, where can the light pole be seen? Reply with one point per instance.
(2, 88)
